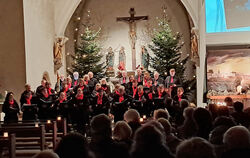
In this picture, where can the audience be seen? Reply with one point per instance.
(237, 142)
(195, 148)
(149, 142)
(46, 154)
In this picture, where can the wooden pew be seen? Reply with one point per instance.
(9, 143)
(29, 134)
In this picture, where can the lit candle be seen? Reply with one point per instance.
(48, 121)
(141, 119)
(36, 124)
(144, 117)
(5, 134)
(59, 118)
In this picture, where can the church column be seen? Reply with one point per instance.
(12, 53)
(201, 77)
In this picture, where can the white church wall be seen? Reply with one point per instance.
(115, 34)
(39, 39)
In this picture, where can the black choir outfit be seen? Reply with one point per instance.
(100, 104)
(120, 106)
(28, 98)
(139, 79)
(44, 107)
(123, 81)
(11, 110)
(159, 98)
(106, 89)
(139, 99)
(169, 83)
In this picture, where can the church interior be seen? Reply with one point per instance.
(132, 79)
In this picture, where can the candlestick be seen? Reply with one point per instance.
(5, 134)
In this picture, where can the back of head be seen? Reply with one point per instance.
(122, 131)
(238, 106)
(131, 116)
(237, 137)
(224, 121)
(161, 113)
(166, 125)
(149, 142)
(101, 126)
(46, 154)
(148, 135)
(195, 148)
(188, 113)
(223, 111)
(72, 145)
(202, 117)
(184, 104)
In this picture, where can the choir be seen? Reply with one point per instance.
(82, 98)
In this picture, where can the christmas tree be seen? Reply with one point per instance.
(87, 54)
(166, 48)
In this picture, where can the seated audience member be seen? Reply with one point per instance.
(203, 121)
(195, 148)
(229, 101)
(188, 128)
(161, 113)
(40, 88)
(122, 133)
(223, 111)
(10, 108)
(237, 142)
(223, 121)
(149, 142)
(72, 145)
(101, 143)
(179, 119)
(171, 140)
(213, 108)
(132, 117)
(180, 95)
(105, 87)
(239, 116)
(46, 154)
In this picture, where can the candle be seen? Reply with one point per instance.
(144, 117)
(5, 134)
(36, 124)
(141, 119)
(59, 118)
(48, 121)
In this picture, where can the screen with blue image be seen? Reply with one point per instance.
(232, 19)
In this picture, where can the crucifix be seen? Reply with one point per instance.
(132, 31)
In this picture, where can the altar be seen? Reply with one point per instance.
(244, 98)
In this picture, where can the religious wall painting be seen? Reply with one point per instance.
(228, 71)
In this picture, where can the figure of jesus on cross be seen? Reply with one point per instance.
(132, 31)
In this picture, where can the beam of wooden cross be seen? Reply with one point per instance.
(132, 31)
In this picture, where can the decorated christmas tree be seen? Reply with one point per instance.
(87, 54)
(166, 48)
